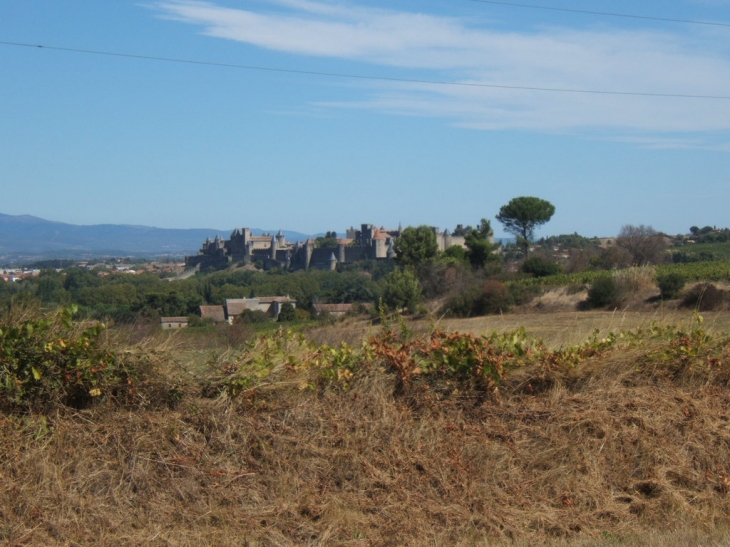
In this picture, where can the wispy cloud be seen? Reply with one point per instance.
(447, 48)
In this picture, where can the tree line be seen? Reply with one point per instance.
(473, 279)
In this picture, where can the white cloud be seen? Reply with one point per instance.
(393, 38)
(451, 49)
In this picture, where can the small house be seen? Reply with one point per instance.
(171, 323)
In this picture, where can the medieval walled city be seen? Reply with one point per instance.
(274, 251)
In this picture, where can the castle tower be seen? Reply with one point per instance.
(391, 249)
(341, 253)
(366, 235)
(448, 241)
(308, 250)
(272, 250)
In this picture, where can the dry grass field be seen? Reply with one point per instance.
(573, 327)
(626, 447)
(556, 328)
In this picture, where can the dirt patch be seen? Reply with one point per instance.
(556, 300)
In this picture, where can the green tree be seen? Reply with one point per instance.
(479, 245)
(522, 215)
(328, 241)
(9, 289)
(172, 303)
(50, 287)
(456, 254)
(402, 290)
(78, 278)
(569, 241)
(287, 313)
(416, 247)
(461, 230)
(612, 258)
(252, 316)
(538, 266)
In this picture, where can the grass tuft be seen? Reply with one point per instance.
(620, 438)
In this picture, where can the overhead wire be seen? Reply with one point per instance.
(362, 76)
(604, 13)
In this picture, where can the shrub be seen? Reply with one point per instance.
(603, 291)
(523, 294)
(670, 285)
(197, 321)
(540, 267)
(492, 297)
(705, 297)
(463, 303)
(253, 316)
(325, 318)
(495, 298)
(49, 361)
(302, 315)
(287, 313)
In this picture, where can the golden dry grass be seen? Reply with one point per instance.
(360, 468)
(596, 455)
(573, 327)
(555, 328)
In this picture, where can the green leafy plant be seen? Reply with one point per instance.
(603, 291)
(689, 355)
(540, 267)
(287, 313)
(47, 361)
(670, 284)
(402, 290)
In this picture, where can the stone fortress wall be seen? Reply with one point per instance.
(367, 243)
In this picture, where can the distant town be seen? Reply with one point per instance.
(103, 268)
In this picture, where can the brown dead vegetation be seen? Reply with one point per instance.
(606, 453)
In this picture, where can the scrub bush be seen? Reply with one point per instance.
(603, 291)
(670, 285)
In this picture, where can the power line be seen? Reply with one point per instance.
(365, 77)
(605, 13)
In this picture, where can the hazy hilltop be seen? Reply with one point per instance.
(29, 234)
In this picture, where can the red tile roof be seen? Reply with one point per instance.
(216, 313)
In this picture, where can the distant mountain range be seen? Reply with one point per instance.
(29, 236)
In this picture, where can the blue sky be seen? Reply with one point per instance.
(89, 138)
